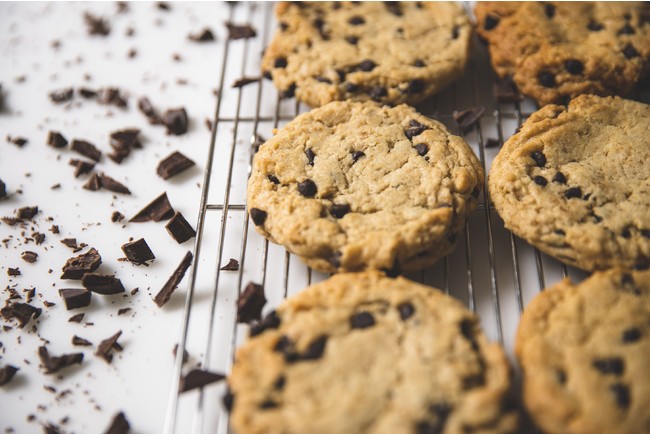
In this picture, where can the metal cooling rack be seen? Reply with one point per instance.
(492, 271)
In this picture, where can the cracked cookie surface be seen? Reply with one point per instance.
(575, 182)
(585, 351)
(351, 186)
(555, 51)
(361, 353)
(392, 52)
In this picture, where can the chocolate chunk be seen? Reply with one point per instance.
(559, 178)
(232, 265)
(3, 189)
(75, 298)
(173, 165)
(546, 79)
(76, 267)
(87, 93)
(125, 140)
(240, 31)
(422, 149)
(539, 158)
(119, 424)
(549, 10)
(288, 92)
(112, 185)
(366, 65)
(138, 252)
(310, 156)
(376, 93)
(627, 29)
(491, 22)
(315, 349)
(112, 96)
(7, 372)
(86, 149)
(574, 66)
(630, 52)
(96, 25)
(22, 312)
(13, 272)
(61, 95)
(149, 111)
(81, 167)
(38, 238)
(250, 303)
(339, 210)
(106, 347)
(573, 192)
(595, 26)
(93, 183)
(419, 63)
(76, 318)
(175, 120)
(415, 128)
(352, 40)
(81, 342)
(177, 276)
(356, 155)
(280, 62)
(466, 119)
(179, 228)
(228, 400)
(56, 140)
(319, 24)
(270, 321)
(280, 382)
(258, 216)
(356, 20)
(244, 81)
(204, 35)
(53, 364)
(540, 180)
(102, 284)
(268, 404)
(621, 394)
(612, 365)
(18, 141)
(197, 378)
(159, 209)
(506, 91)
(274, 179)
(307, 188)
(29, 256)
(631, 335)
(351, 87)
(362, 320)
(26, 212)
(406, 310)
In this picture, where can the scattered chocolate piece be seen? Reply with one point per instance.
(175, 120)
(250, 303)
(87, 93)
(93, 183)
(244, 81)
(159, 209)
(362, 320)
(258, 216)
(55, 229)
(112, 96)
(123, 310)
(232, 265)
(240, 31)
(75, 298)
(38, 238)
(466, 119)
(198, 378)
(76, 318)
(149, 111)
(53, 364)
(102, 284)
(105, 347)
(96, 25)
(256, 142)
(119, 424)
(22, 312)
(76, 340)
(86, 149)
(132, 53)
(61, 95)
(125, 140)
(29, 256)
(173, 165)
(177, 276)
(270, 321)
(7, 372)
(138, 251)
(18, 141)
(112, 185)
(163, 6)
(506, 91)
(208, 124)
(56, 140)
(13, 272)
(81, 167)
(205, 35)
(3, 189)
(70, 242)
(117, 217)
(179, 228)
(76, 267)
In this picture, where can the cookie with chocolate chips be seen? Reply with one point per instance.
(355, 185)
(555, 51)
(392, 52)
(575, 182)
(363, 353)
(585, 350)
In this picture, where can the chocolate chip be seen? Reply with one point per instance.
(102, 284)
(197, 378)
(621, 394)
(258, 216)
(540, 180)
(138, 251)
(310, 156)
(270, 321)
(157, 210)
(335, 259)
(559, 178)
(76, 267)
(466, 119)
(228, 400)
(422, 149)
(240, 31)
(80, 342)
(320, 26)
(250, 303)
(539, 157)
(280, 62)
(415, 86)
(356, 155)
(631, 335)
(595, 26)
(175, 120)
(406, 310)
(7, 373)
(29, 256)
(612, 365)
(274, 179)
(96, 25)
(180, 229)
(473, 381)
(22, 312)
(419, 63)
(149, 111)
(278, 384)
(549, 10)
(288, 92)
(204, 35)
(61, 95)
(351, 87)
(173, 165)
(168, 288)
(467, 330)
(626, 233)
(377, 92)
(283, 26)
(86, 149)
(339, 210)
(366, 65)
(56, 140)
(546, 79)
(574, 66)
(53, 364)
(286, 346)
(268, 404)
(627, 29)
(356, 20)
(119, 425)
(352, 39)
(560, 375)
(455, 32)
(491, 22)
(362, 320)
(415, 128)
(630, 52)
(645, 233)
(75, 298)
(573, 192)
(315, 349)
(307, 188)
(106, 347)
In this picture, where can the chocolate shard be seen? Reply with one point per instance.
(87, 93)
(506, 91)
(176, 121)
(466, 119)
(119, 425)
(81, 167)
(53, 364)
(240, 31)
(173, 165)
(244, 81)
(7, 372)
(22, 312)
(3, 189)
(29, 256)
(177, 276)
(26, 212)
(81, 342)
(96, 25)
(125, 140)
(56, 140)
(232, 265)
(76, 267)
(93, 183)
(75, 298)
(198, 378)
(112, 96)
(61, 95)
(76, 318)
(112, 185)
(159, 209)
(13, 272)
(70, 242)
(117, 217)
(102, 284)
(204, 35)
(18, 141)
(106, 347)
(86, 149)
(250, 303)
(138, 252)
(179, 228)
(149, 111)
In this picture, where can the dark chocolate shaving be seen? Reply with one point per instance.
(96, 25)
(75, 298)
(81, 342)
(159, 209)
(197, 378)
(244, 81)
(53, 364)
(77, 318)
(173, 165)
(117, 217)
(18, 141)
(149, 111)
(250, 303)
(81, 167)
(180, 229)
(138, 252)
(102, 284)
(106, 347)
(466, 119)
(168, 289)
(76, 267)
(86, 149)
(112, 96)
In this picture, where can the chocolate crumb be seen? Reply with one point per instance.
(123, 311)
(138, 252)
(466, 119)
(177, 276)
(106, 347)
(61, 95)
(117, 217)
(76, 267)
(173, 165)
(197, 378)
(86, 149)
(159, 209)
(250, 303)
(81, 342)
(149, 111)
(29, 256)
(506, 91)
(362, 320)
(492, 143)
(7, 373)
(76, 318)
(102, 284)
(18, 141)
(96, 25)
(56, 140)
(244, 81)
(232, 265)
(53, 364)
(119, 424)
(204, 35)
(81, 167)
(175, 120)
(75, 298)
(240, 31)
(179, 228)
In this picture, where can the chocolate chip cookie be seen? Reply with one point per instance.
(585, 352)
(355, 185)
(575, 182)
(364, 353)
(393, 52)
(555, 51)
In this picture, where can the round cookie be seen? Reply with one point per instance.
(585, 352)
(390, 52)
(354, 185)
(555, 51)
(363, 353)
(575, 182)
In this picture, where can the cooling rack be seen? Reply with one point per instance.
(494, 273)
